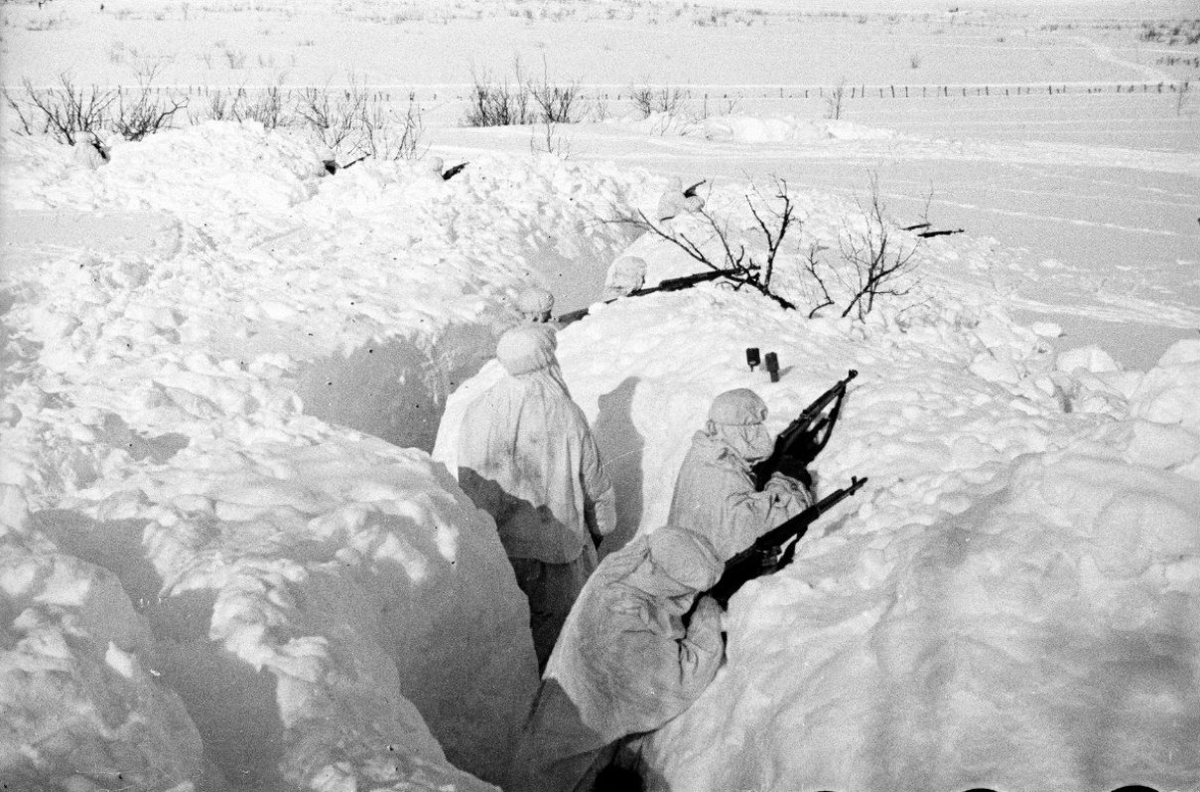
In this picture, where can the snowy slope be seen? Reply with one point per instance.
(211, 575)
(1009, 602)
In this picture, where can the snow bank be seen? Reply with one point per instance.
(294, 602)
(385, 286)
(1010, 602)
(784, 129)
(1045, 638)
(79, 701)
(289, 587)
(743, 128)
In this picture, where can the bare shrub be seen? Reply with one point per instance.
(500, 103)
(335, 116)
(877, 259)
(559, 103)
(267, 107)
(774, 218)
(389, 135)
(833, 102)
(523, 100)
(64, 112)
(236, 59)
(547, 138)
(146, 110)
(663, 99)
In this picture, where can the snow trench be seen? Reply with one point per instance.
(227, 563)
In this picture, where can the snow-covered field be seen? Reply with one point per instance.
(233, 559)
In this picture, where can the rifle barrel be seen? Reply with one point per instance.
(799, 524)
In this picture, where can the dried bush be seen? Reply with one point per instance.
(65, 112)
(146, 110)
(877, 259)
(663, 99)
(500, 103)
(742, 270)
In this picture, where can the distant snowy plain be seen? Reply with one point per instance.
(233, 557)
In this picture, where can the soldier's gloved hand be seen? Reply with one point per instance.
(794, 469)
(770, 560)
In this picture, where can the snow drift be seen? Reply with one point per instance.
(216, 572)
(1011, 600)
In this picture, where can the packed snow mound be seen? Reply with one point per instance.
(314, 606)
(376, 290)
(742, 128)
(1045, 638)
(78, 697)
(998, 515)
(784, 129)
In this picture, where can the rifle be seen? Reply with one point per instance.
(668, 285)
(756, 560)
(353, 162)
(798, 445)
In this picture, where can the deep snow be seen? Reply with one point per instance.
(229, 562)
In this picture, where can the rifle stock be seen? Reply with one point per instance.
(748, 564)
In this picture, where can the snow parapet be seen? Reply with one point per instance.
(1012, 595)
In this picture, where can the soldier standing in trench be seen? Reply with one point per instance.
(527, 456)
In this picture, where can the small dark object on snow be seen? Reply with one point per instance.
(691, 191)
(916, 227)
(927, 234)
(773, 366)
(452, 172)
(354, 162)
(331, 166)
(752, 358)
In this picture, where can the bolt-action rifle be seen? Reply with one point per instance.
(798, 445)
(763, 557)
(668, 285)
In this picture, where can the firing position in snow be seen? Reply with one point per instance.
(625, 663)
(528, 458)
(90, 152)
(535, 304)
(675, 200)
(715, 492)
(626, 275)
